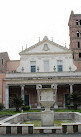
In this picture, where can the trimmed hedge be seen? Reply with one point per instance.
(25, 108)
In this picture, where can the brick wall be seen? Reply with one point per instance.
(3, 61)
(2, 88)
(12, 65)
(73, 29)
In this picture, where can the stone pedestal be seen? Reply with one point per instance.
(48, 96)
(47, 118)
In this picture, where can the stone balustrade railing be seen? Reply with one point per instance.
(43, 74)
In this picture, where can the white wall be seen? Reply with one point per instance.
(52, 48)
(67, 62)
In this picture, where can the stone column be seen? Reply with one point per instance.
(7, 97)
(38, 99)
(71, 89)
(54, 86)
(38, 86)
(22, 93)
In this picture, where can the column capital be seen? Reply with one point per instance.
(38, 86)
(71, 84)
(54, 86)
(22, 85)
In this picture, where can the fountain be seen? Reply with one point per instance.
(15, 125)
(47, 99)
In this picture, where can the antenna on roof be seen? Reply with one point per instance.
(65, 45)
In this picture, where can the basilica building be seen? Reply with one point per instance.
(44, 65)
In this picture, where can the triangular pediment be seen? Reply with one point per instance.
(45, 46)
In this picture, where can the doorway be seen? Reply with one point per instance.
(27, 100)
(67, 99)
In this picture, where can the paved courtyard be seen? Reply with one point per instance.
(44, 135)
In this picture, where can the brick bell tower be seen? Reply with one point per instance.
(75, 38)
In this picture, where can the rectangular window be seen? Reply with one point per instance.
(60, 65)
(67, 99)
(80, 22)
(73, 55)
(78, 44)
(79, 55)
(77, 22)
(78, 34)
(33, 66)
(59, 68)
(46, 66)
(2, 61)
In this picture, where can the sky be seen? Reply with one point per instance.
(24, 21)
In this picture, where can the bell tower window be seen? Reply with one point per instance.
(78, 34)
(78, 44)
(2, 61)
(80, 22)
(79, 55)
(77, 22)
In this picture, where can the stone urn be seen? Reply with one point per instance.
(47, 99)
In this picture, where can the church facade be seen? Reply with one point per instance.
(45, 65)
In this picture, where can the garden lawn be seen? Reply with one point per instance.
(12, 112)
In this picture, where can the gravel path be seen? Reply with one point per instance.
(44, 135)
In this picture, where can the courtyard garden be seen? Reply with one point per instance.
(12, 112)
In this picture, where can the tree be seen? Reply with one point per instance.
(1, 106)
(17, 102)
(75, 98)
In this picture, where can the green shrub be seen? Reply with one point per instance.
(17, 102)
(75, 98)
(70, 106)
(1, 106)
(25, 108)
